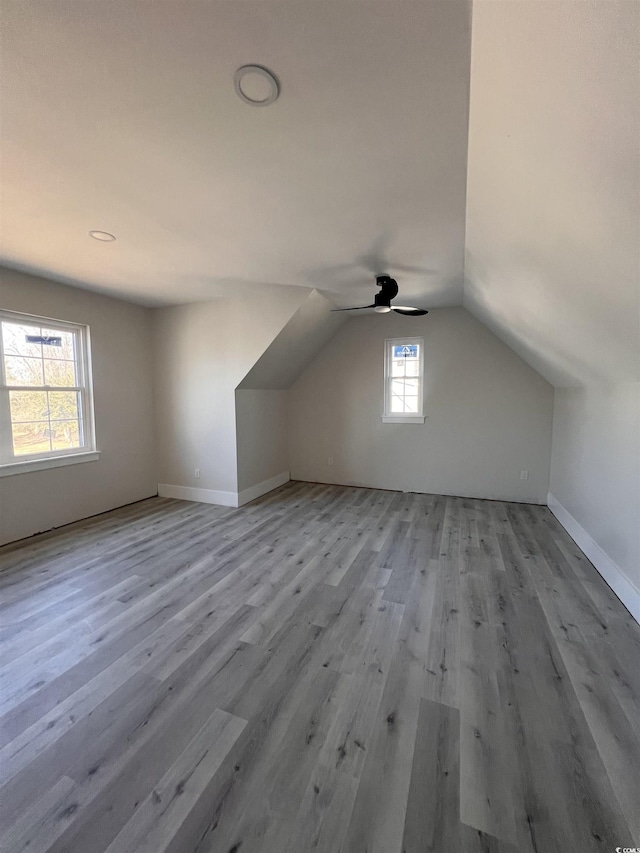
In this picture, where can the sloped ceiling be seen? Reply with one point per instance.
(306, 333)
(121, 116)
(553, 198)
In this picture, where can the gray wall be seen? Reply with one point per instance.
(489, 415)
(201, 352)
(595, 467)
(122, 379)
(262, 433)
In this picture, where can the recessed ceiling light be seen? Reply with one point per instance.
(256, 85)
(103, 236)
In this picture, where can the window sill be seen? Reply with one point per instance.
(403, 419)
(52, 462)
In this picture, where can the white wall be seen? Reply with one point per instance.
(122, 378)
(201, 352)
(262, 432)
(488, 414)
(595, 474)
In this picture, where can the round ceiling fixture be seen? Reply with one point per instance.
(103, 236)
(256, 85)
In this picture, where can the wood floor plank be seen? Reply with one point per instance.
(352, 732)
(78, 744)
(127, 760)
(38, 737)
(160, 817)
(326, 669)
(473, 840)
(323, 814)
(377, 820)
(550, 742)
(254, 816)
(485, 791)
(38, 825)
(432, 820)
(612, 731)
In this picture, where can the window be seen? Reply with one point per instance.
(46, 405)
(403, 380)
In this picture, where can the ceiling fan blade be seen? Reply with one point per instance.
(357, 308)
(410, 312)
(411, 269)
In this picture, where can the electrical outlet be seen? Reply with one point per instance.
(330, 460)
(196, 473)
(524, 475)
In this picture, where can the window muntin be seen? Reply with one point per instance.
(403, 377)
(46, 407)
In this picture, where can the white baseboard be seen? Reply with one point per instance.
(212, 496)
(262, 488)
(205, 496)
(612, 573)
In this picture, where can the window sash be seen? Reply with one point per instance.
(389, 378)
(85, 419)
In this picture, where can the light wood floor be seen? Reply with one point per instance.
(327, 669)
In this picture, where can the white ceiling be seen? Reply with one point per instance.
(121, 116)
(553, 196)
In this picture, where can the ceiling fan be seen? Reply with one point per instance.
(382, 301)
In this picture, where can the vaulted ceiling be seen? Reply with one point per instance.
(122, 116)
(520, 197)
(553, 194)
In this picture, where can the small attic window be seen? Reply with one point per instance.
(403, 381)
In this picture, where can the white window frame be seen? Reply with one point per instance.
(388, 416)
(11, 463)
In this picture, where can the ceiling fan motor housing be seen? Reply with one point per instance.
(388, 286)
(388, 290)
